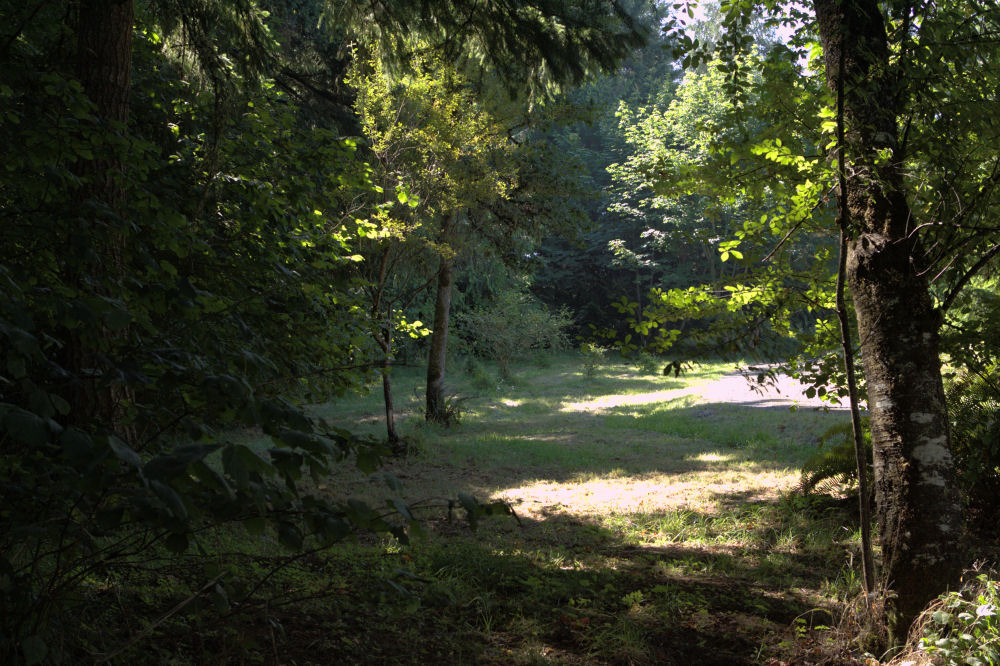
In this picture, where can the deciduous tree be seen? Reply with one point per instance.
(885, 59)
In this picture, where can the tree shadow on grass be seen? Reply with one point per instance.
(668, 587)
(558, 589)
(624, 443)
(564, 590)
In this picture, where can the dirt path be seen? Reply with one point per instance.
(742, 388)
(736, 388)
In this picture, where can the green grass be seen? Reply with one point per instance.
(649, 530)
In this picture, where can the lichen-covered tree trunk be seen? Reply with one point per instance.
(917, 504)
(436, 409)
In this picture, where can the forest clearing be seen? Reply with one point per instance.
(663, 532)
(376, 332)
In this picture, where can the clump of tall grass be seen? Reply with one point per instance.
(593, 357)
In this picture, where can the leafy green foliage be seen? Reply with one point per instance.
(962, 627)
(974, 409)
(577, 268)
(511, 327)
(718, 191)
(216, 294)
(430, 136)
(594, 355)
(971, 332)
(652, 365)
(942, 152)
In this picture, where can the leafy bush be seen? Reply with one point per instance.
(134, 340)
(481, 377)
(513, 326)
(648, 364)
(963, 628)
(593, 356)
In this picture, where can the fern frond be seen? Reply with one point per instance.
(828, 470)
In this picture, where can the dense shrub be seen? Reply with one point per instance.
(593, 356)
(513, 326)
(963, 628)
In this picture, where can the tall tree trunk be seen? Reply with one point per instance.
(103, 66)
(860, 458)
(392, 437)
(104, 55)
(917, 504)
(383, 337)
(436, 409)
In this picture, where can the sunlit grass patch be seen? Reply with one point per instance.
(714, 457)
(650, 530)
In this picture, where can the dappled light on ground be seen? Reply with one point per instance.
(735, 388)
(654, 522)
(618, 492)
(713, 457)
(609, 401)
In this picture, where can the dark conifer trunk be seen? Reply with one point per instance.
(918, 508)
(103, 66)
(104, 55)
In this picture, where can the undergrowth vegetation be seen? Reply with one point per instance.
(962, 627)
(974, 409)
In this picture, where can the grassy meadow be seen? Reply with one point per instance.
(651, 528)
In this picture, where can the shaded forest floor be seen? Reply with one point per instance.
(648, 531)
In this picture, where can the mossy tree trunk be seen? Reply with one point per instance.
(917, 504)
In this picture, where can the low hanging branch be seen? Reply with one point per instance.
(867, 559)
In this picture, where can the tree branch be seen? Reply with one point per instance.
(969, 274)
